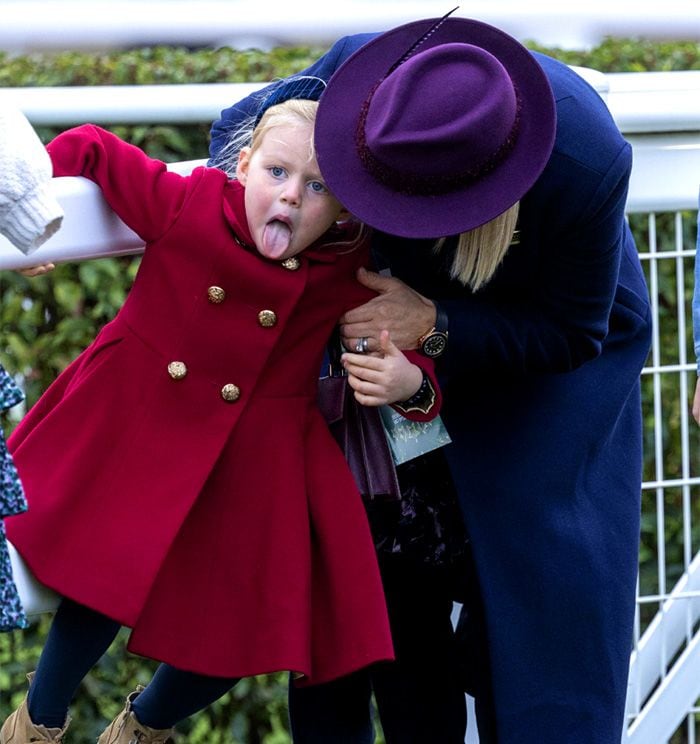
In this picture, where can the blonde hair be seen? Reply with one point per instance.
(479, 252)
(288, 112)
(250, 135)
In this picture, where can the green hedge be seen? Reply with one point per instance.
(46, 321)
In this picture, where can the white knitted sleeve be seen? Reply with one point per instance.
(29, 213)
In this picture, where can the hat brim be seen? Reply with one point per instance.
(467, 207)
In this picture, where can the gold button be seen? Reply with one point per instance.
(177, 370)
(292, 263)
(267, 318)
(230, 393)
(216, 295)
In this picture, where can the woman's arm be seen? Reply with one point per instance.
(552, 320)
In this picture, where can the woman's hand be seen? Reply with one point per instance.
(383, 377)
(397, 308)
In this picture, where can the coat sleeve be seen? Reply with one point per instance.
(428, 367)
(140, 190)
(560, 320)
(233, 117)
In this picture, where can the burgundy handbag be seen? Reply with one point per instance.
(359, 431)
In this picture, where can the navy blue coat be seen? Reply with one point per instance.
(542, 401)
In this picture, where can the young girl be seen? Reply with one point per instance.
(180, 478)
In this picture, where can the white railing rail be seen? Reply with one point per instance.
(652, 102)
(678, 688)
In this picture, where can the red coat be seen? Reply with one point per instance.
(213, 514)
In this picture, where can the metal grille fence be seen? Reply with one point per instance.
(665, 669)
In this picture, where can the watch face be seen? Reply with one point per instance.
(434, 344)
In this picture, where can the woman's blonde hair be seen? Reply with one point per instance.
(479, 252)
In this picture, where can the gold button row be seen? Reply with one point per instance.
(217, 295)
(229, 392)
(266, 318)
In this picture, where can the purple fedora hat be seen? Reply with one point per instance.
(435, 127)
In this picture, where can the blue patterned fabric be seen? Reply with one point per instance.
(12, 501)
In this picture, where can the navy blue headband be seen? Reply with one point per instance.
(305, 88)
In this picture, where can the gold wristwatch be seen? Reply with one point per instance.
(433, 343)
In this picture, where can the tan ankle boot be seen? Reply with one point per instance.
(125, 728)
(19, 729)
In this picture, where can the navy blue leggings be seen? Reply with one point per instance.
(77, 639)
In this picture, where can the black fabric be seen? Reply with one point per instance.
(337, 712)
(426, 525)
(419, 697)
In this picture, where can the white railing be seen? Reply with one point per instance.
(660, 114)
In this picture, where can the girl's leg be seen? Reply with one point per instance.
(173, 695)
(420, 697)
(338, 711)
(77, 639)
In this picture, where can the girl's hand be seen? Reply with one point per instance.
(37, 270)
(696, 402)
(383, 377)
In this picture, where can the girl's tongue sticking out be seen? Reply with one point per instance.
(277, 236)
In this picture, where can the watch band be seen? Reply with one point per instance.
(441, 319)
